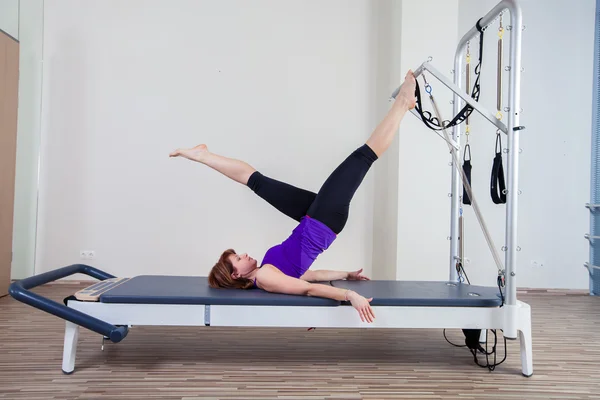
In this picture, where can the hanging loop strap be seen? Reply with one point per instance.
(467, 172)
(467, 148)
(497, 185)
(434, 123)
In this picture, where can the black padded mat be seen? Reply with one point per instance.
(417, 293)
(165, 289)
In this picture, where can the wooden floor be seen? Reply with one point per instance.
(217, 363)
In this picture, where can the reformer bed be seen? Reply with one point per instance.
(114, 305)
(188, 301)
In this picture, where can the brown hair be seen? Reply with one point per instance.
(220, 274)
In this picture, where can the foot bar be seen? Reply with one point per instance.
(20, 291)
(426, 66)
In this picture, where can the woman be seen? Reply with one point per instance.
(321, 217)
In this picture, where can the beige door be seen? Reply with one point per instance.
(9, 82)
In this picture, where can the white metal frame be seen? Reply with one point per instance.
(512, 183)
(301, 317)
(512, 129)
(514, 110)
(514, 318)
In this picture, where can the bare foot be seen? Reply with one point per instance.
(407, 90)
(195, 153)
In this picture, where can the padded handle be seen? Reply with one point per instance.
(20, 291)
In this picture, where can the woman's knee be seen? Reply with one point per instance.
(254, 181)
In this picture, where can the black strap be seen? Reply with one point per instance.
(432, 122)
(497, 186)
(467, 168)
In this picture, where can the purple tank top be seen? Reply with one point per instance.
(296, 254)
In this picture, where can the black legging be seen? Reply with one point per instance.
(332, 204)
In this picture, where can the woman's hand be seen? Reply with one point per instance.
(357, 276)
(362, 306)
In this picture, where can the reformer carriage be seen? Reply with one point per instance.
(114, 305)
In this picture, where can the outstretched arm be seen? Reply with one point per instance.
(323, 275)
(272, 280)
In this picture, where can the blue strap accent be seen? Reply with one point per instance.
(20, 291)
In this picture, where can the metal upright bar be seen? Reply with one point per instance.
(514, 104)
(455, 240)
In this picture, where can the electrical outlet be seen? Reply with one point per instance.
(87, 254)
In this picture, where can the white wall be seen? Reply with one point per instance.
(274, 83)
(31, 17)
(385, 214)
(24, 21)
(410, 220)
(255, 83)
(424, 174)
(9, 17)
